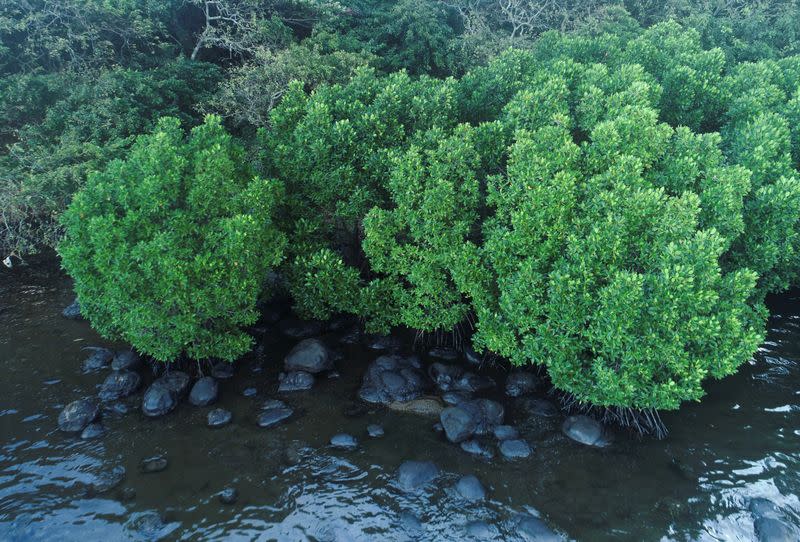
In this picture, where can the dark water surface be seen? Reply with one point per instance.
(742, 442)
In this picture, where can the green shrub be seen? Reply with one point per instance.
(170, 248)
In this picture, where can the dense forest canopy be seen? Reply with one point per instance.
(606, 189)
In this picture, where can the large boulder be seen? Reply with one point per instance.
(77, 415)
(309, 355)
(476, 417)
(585, 430)
(119, 384)
(204, 392)
(393, 378)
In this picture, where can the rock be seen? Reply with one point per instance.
(411, 524)
(108, 480)
(505, 432)
(538, 407)
(438, 428)
(355, 409)
(77, 415)
(481, 530)
(72, 311)
(351, 336)
(585, 430)
(296, 381)
(413, 475)
(229, 495)
(491, 414)
(273, 403)
(471, 383)
(219, 417)
(152, 464)
(93, 430)
(127, 494)
(424, 406)
(343, 441)
(444, 376)
(99, 358)
(472, 357)
(177, 382)
(455, 397)
(382, 342)
(119, 408)
(309, 355)
(204, 392)
(126, 360)
(119, 384)
(222, 370)
(249, 392)
(521, 383)
(477, 448)
(146, 526)
(532, 529)
(273, 416)
(393, 378)
(301, 329)
(374, 430)
(763, 507)
(515, 449)
(158, 400)
(470, 488)
(458, 422)
(443, 352)
(769, 529)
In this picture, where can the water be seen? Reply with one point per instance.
(741, 442)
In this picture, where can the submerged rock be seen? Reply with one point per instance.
(585, 430)
(393, 378)
(477, 448)
(455, 397)
(204, 392)
(443, 352)
(375, 430)
(222, 370)
(538, 407)
(93, 430)
(515, 449)
(309, 355)
(72, 311)
(413, 475)
(343, 441)
(472, 383)
(424, 406)
(152, 464)
(301, 329)
(250, 392)
(520, 383)
(505, 432)
(177, 382)
(475, 417)
(470, 488)
(126, 360)
(108, 480)
(382, 342)
(481, 530)
(296, 381)
(769, 529)
(98, 359)
(229, 495)
(158, 400)
(119, 384)
(472, 357)
(532, 529)
(77, 415)
(444, 376)
(273, 416)
(219, 417)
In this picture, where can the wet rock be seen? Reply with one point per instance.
(296, 381)
(127, 494)
(98, 359)
(152, 464)
(438, 428)
(411, 524)
(374, 430)
(521, 383)
(585, 430)
(769, 529)
(343, 441)
(93, 430)
(222, 370)
(72, 311)
(455, 397)
(204, 392)
(177, 382)
(351, 336)
(126, 360)
(301, 329)
(147, 526)
(249, 392)
(459, 423)
(472, 357)
(472, 383)
(505, 432)
(424, 406)
(413, 475)
(158, 400)
(273, 403)
(444, 376)
(490, 414)
(515, 449)
(77, 415)
(382, 342)
(392, 378)
(108, 480)
(219, 417)
(271, 417)
(763, 507)
(470, 488)
(477, 448)
(481, 530)
(309, 355)
(229, 495)
(538, 407)
(119, 384)
(118, 408)
(532, 529)
(443, 352)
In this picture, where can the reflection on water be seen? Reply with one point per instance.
(740, 443)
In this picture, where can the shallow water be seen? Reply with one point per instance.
(741, 442)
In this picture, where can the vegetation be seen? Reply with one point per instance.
(607, 189)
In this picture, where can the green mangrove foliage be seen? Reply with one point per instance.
(169, 248)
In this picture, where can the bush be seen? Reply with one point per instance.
(170, 248)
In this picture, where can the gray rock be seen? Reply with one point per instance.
(77, 415)
(585, 430)
(472, 383)
(93, 430)
(444, 376)
(413, 475)
(472, 357)
(126, 360)
(119, 384)
(146, 526)
(158, 400)
(229, 495)
(72, 311)
(204, 392)
(505, 432)
(764, 507)
(532, 529)
(177, 382)
(309, 355)
(152, 464)
(273, 403)
(538, 407)
(515, 449)
(470, 488)
(219, 417)
(351, 336)
(521, 383)
(98, 359)
(490, 414)
(343, 441)
(481, 530)
(296, 381)
(108, 480)
(222, 370)
(301, 329)
(455, 397)
(769, 529)
(249, 392)
(375, 430)
(393, 378)
(382, 342)
(411, 524)
(459, 423)
(273, 416)
(127, 494)
(477, 448)
(438, 428)
(443, 352)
